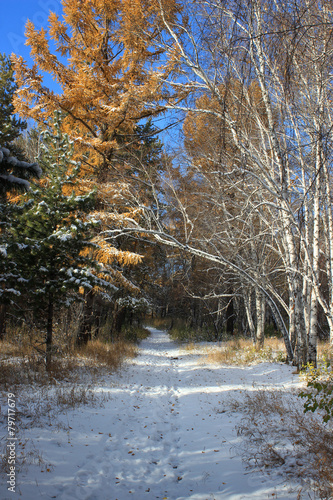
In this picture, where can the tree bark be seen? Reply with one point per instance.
(230, 315)
(260, 318)
(248, 310)
(3, 311)
(84, 333)
(49, 333)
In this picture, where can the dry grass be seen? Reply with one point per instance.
(325, 352)
(279, 437)
(22, 360)
(190, 347)
(39, 406)
(242, 351)
(67, 385)
(109, 355)
(28, 454)
(41, 396)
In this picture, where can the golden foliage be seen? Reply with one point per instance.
(110, 77)
(105, 253)
(207, 130)
(110, 68)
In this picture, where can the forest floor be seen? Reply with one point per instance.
(168, 425)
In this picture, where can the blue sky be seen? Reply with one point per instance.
(13, 17)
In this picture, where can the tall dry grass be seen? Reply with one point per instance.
(242, 351)
(22, 359)
(278, 437)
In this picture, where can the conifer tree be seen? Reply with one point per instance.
(14, 173)
(110, 70)
(10, 125)
(109, 65)
(14, 176)
(50, 235)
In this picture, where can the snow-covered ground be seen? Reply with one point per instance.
(166, 430)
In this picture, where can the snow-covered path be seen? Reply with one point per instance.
(165, 432)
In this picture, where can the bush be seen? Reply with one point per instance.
(183, 333)
(278, 438)
(134, 333)
(319, 390)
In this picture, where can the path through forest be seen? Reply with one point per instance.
(165, 431)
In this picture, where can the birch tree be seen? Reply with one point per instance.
(285, 49)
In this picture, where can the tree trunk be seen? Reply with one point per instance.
(84, 333)
(260, 318)
(49, 333)
(118, 318)
(3, 308)
(298, 320)
(230, 316)
(219, 320)
(248, 310)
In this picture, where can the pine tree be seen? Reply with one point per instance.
(14, 177)
(14, 173)
(50, 235)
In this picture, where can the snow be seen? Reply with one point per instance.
(165, 430)
(15, 180)
(62, 235)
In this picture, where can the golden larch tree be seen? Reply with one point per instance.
(109, 66)
(106, 57)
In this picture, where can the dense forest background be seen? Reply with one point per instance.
(225, 224)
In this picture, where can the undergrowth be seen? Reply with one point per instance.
(42, 395)
(157, 322)
(231, 350)
(318, 395)
(242, 351)
(279, 438)
(183, 333)
(22, 363)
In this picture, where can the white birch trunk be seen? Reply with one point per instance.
(260, 318)
(248, 310)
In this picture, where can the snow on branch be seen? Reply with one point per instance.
(11, 168)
